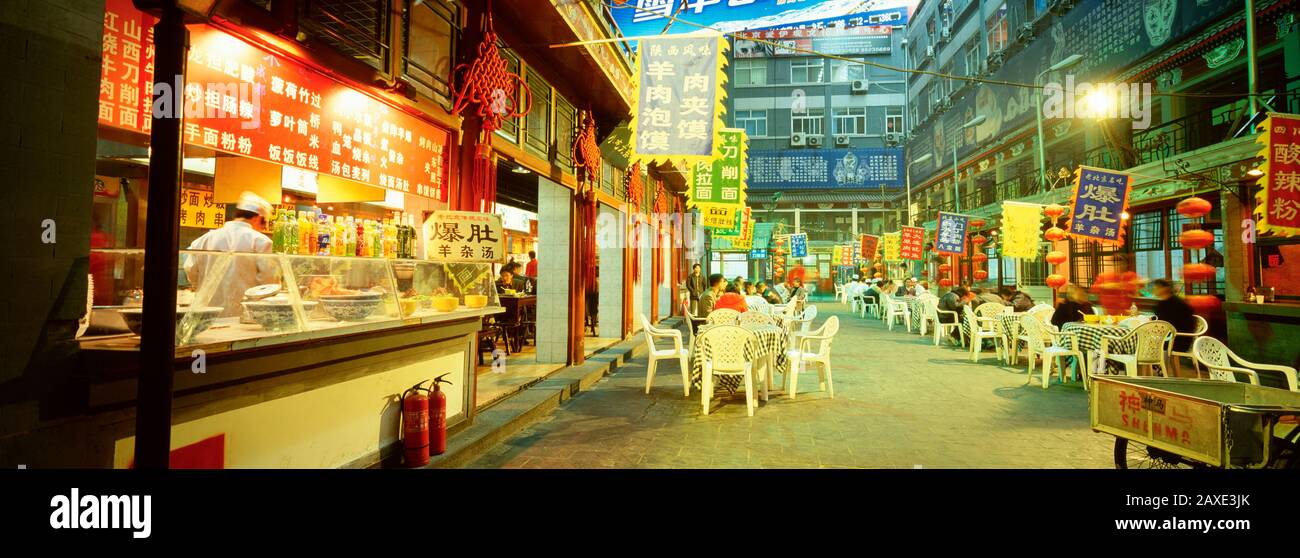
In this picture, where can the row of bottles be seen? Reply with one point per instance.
(315, 233)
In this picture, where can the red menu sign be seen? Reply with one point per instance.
(126, 73)
(913, 241)
(242, 99)
(1279, 211)
(869, 246)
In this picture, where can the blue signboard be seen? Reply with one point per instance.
(758, 254)
(651, 17)
(798, 245)
(951, 235)
(793, 169)
(1100, 198)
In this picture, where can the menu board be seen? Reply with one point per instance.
(242, 99)
(197, 210)
(911, 243)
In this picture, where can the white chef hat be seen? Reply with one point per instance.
(249, 201)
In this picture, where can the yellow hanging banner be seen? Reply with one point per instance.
(1021, 224)
(892, 246)
(718, 216)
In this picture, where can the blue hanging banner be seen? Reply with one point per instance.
(758, 254)
(1100, 200)
(951, 236)
(798, 245)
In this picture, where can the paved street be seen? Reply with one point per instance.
(900, 402)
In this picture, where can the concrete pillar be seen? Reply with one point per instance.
(553, 213)
(647, 270)
(610, 298)
(1234, 252)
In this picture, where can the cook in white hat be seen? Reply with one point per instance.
(240, 234)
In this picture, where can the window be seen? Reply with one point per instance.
(806, 70)
(430, 30)
(973, 59)
(1090, 259)
(997, 29)
(357, 28)
(810, 122)
(849, 121)
(893, 119)
(510, 126)
(566, 127)
(842, 71)
(730, 264)
(537, 123)
(753, 121)
(751, 72)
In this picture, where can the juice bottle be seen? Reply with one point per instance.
(390, 239)
(374, 240)
(350, 234)
(340, 242)
(277, 233)
(290, 233)
(308, 245)
(361, 239)
(324, 231)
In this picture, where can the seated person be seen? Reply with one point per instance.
(1017, 299)
(796, 290)
(984, 296)
(921, 287)
(732, 299)
(954, 301)
(1173, 309)
(769, 294)
(506, 280)
(1073, 308)
(872, 293)
(710, 296)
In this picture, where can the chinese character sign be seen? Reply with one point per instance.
(912, 243)
(951, 235)
(1100, 199)
(126, 71)
(464, 236)
(719, 217)
(1021, 230)
(819, 169)
(846, 254)
(721, 181)
(197, 210)
(1278, 208)
(798, 245)
(890, 246)
(870, 244)
(679, 110)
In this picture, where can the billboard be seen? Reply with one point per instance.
(652, 17)
(854, 168)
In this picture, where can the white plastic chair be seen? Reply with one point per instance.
(1223, 364)
(839, 292)
(754, 317)
(1202, 326)
(805, 354)
(1045, 342)
(865, 303)
(757, 303)
(896, 309)
(724, 347)
(800, 326)
(933, 315)
(1151, 341)
(722, 316)
(655, 354)
(926, 318)
(980, 329)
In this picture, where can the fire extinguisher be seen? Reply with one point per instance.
(438, 418)
(415, 425)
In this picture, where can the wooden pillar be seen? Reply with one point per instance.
(578, 279)
(459, 185)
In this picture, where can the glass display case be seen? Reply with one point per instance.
(226, 297)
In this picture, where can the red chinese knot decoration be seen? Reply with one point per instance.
(586, 153)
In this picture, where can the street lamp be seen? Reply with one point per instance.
(956, 191)
(1069, 61)
(917, 161)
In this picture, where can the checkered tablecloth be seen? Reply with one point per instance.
(1009, 326)
(917, 307)
(1090, 343)
(771, 340)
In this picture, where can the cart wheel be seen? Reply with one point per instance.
(1132, 455)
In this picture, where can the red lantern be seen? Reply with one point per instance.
(944, 268)
(1056, 257)
(877, 276)
(1193, 207)
(925, 273)
(1198, 272)
(978, 240)
(1053, 211)
(1056, 281)
(980, 275)
(1196, 238)
(980, 257)
(879, 266)
(978, 223)
(945, 282)
(1205, 305)
(1054, 234)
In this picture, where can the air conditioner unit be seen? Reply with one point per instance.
(946, 32)
(929, 51)
(841, 141)
(798, 140)
(859, 86)
(813, 141)
(894, 137)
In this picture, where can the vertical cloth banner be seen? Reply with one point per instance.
(951, 235)
(891, 245)
(846, 255)
(837, 254)
(679, 104)
(1021, 225)
(870, 244)
(798, 245)
(1278, 202)
(719, 217)
(912, 243)
(721, 181)
(1100, 200)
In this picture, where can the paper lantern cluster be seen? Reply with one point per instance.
(1055, 234)
(1195, 240)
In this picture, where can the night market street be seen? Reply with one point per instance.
(900, 402)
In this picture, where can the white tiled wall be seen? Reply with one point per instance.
(611, 277)
(554, 205)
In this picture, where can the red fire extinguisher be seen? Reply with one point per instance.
(438, 418)
(415, 425)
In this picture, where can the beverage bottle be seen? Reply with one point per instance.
(324, 229)
(339, 238)
(309, 232)
(277, 233)
(375, 241)
(350, 234)
(290, 233)
(361, 239)
(390, 239)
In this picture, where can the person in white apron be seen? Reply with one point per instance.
(241, 234)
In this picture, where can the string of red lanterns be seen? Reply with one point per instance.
(1195, 240)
